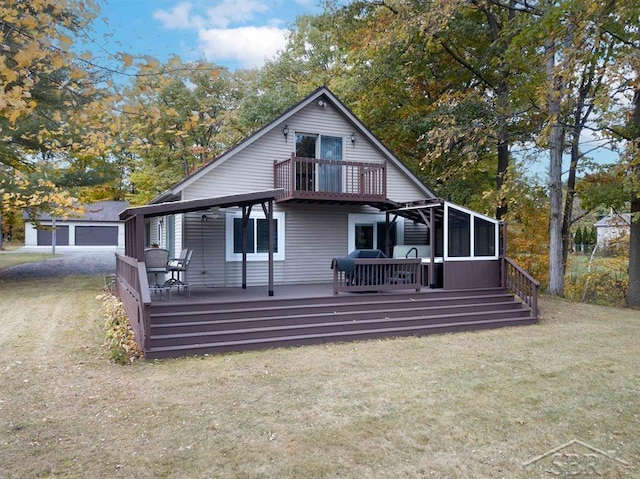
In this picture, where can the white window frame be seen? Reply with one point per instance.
(472, 215)
(371, 219)
(319, 137)
(159, 231)
(278, 216)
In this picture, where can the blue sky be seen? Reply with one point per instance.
(231, 33)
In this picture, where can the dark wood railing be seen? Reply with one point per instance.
(379, 274)
(132, 286)
(521, 283)
(312, 178)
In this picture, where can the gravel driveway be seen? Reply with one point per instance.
(69, 263)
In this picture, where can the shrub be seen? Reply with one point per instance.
(606, 284)
(120, 338)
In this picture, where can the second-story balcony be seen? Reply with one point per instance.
(330, 180)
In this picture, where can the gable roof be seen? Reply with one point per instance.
(614, 220)
(107, 211)
(321, 93)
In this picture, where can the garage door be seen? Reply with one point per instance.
(96, 236)
(62, 236)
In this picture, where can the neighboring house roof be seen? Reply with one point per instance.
(613, 220)
(173, 193)
(101, 211)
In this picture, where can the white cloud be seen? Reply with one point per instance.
(249, 46)
(233, 12)
(178, 17)
(239, 31)
(221, 15)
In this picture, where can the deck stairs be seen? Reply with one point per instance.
(201, 327)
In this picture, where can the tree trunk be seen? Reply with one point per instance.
(556, 141)
(633, 294)
(503, 154)
(567, 240)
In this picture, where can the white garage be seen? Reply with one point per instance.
(99, 227)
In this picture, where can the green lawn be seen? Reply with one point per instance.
(467, 405)
(8, 259)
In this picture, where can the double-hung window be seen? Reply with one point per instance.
(257, 237)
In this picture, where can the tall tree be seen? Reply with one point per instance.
(556, 147)
(633, 296)
(170, 124)
(41, 81)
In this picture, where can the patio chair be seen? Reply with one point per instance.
(178, 266)
(155, 259)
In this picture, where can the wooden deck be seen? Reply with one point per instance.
(217, 320)
(213, 295)
(222, 320)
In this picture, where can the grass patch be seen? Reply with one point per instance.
(9, 259)
(605, 280)
(448, 406)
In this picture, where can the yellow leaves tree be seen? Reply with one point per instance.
(35, 37)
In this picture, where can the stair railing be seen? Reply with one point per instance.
(132, 287)
(520, 283)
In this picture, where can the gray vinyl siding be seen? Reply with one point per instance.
(207, 239)
(153, 231)
(399, 188)
(415, 233)
(315, 233)
(178, 234)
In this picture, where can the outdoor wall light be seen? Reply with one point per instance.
(285, 132)
(353, 139)
(322, 103)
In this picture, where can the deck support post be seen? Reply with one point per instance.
(139, 237)
(246, 212)
(268, 212)
(503, 254)
(432, 248)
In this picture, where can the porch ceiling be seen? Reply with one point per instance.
(186, 206)
(410, 210)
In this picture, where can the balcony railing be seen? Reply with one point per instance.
(379, 274)
(313, 178)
